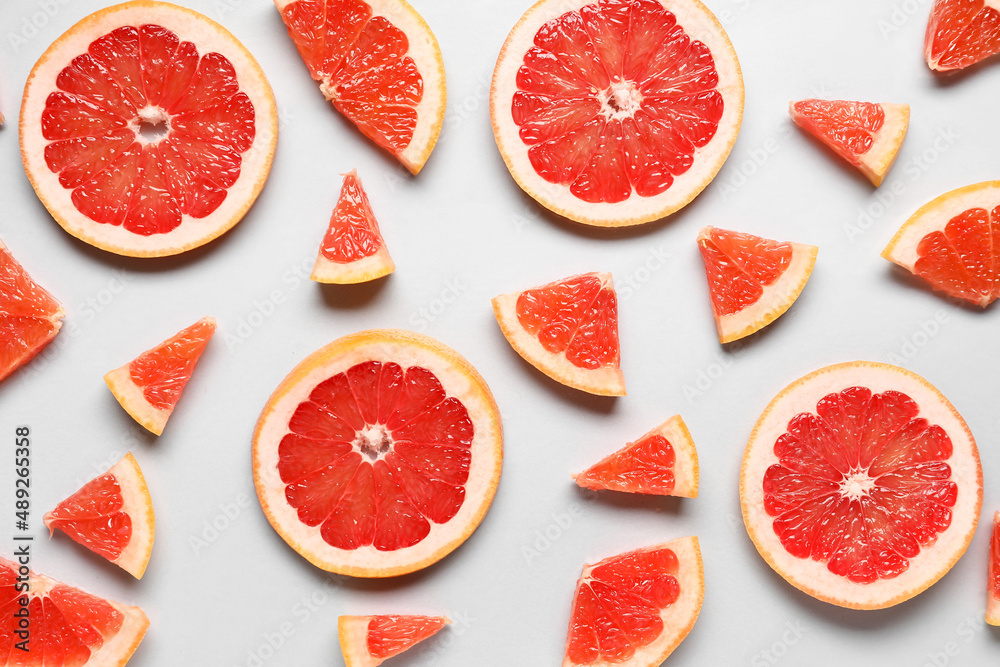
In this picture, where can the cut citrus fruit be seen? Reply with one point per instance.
(961, 33)
(752, 281)
(953, 242)
(861, 485)
(112, 515)
(610, 126)
(379, 454)
(568, 329)
(368, 641)
(149, 386)
(866, 134)
(29, 316)
(635, 608)
(993, 582)
(352, 250)
(65, 626)
(147, 129)
(379, 64)
(662, 462)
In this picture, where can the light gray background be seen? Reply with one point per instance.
(461, 233)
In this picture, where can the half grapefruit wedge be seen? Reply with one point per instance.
(961, 33)
(368, 641)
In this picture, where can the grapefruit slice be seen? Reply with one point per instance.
(961, 33)
(379, 64)
(953, 242)
(29, 316)
(861, 485)
(752, 281)
(112, 515)
(568, 329)
(993, 581)
(66, 625)
(352, 250)
(368, 641)
(635, 608)
(379, 454)
(866, 134)
(610, 126)
(147, 129)
(662, 462)
(149, 386)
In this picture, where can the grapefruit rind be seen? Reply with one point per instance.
(130, 397)
(459, 379)
(992, 601)
(212, 37)
(353, 634)
(359, 271)
(813, 577)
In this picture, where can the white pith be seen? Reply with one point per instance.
(138, 505)
(133, 401)
(359, 271)
(620, 100)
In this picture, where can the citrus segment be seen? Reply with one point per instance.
(993, 575)
(368, 641)
(112, 515)
(961, 33)
(752, 281)
(379, 64)
(636, 608)
(662, 462)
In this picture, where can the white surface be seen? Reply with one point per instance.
(461, 233)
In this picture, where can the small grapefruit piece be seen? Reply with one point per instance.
(861, 485)
(112, 515)
(568, 329)
(866, 134)
(149, 386)
(961, 33)
(953, 242)
(635, 608)
(662, 462)
(993, 582)
(68, 626)
(29, 316)
(610, 126)
(752, 280)
(353, 250)
(147, 129)
(379, 64)
(379, 454)
(368, 641)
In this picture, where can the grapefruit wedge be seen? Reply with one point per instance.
(608, 125)
(662, 462)
(112, 515)
(379, 454)
(368, 641)
(861, 485)
(379, 64)
(993, 580)
(635, 608)
(147, 129)
(961, 33)
(29, 316)
(866, 134)
(66, 625)
(752, 281)
(568, 329)
(352, 250)
(953, 242)
(149, 386)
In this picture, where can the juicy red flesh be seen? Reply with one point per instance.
(739, 267)
(163, 372)
(994, 566)
(93, 517)
(862, 485)
(353, 233)
(29, 316)
(847, 127)
(963, 260)
(646, 466)
(961, 33)
(391, 635)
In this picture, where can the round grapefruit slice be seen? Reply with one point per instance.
(993, 581)
(752, 281)
(568, 329)
(112, 515)
(368, 641)
(635, 608)
(149, 386)
(30, 317)
(611, 126)
(662, 462)
(861, 485)
(961, 33)
(379, 454)
(352, 250)
(953, 242)
(379, 64)
(65, 625)
(866, 134)
(147, 129)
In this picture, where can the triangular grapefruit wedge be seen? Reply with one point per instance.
(961, 33)
(368, 641)
(993, 581)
